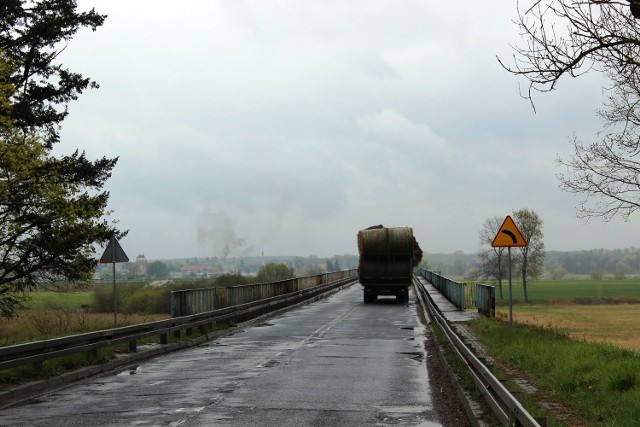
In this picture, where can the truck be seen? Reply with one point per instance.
(387, 257)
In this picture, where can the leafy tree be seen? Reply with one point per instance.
(32, 35)
(273, 272)
(491, 259)
(157, 270)
(6, 91)
(531, 258)
(50, 215)
(622, 268)
(558, 273)
(566, 38)
(51, 209)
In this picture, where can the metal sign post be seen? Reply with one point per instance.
(510, 290)
(112, 254)
(509, 236)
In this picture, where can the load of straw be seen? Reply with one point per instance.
(385, 252)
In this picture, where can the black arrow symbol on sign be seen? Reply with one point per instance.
(513, 236)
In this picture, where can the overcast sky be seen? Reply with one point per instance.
(284, 127)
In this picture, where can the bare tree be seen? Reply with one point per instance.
(567, 37)
(606, 172)
(571, 38)
(531, 258)
(491, 259)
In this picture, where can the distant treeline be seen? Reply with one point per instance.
(458, 264)
(612, 262)
(608, 261)
(246, 265)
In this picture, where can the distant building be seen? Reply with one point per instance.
(141, 266)
(192, 270)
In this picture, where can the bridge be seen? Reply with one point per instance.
(334, 361)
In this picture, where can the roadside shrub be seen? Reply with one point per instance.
(102, 301)
(103, 296)
(147, 301)
(273, 272)
(44, 323)
(228, 280)
(140, 298)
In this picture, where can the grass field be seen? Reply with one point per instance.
(617, 325)
(600, 311)
(573, 291)
(48, 299)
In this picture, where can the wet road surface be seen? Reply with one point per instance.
(336, 362)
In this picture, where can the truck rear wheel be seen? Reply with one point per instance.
(370, 298)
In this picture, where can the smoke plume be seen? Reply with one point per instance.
(216, 230)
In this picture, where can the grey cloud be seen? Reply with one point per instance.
(294, 124)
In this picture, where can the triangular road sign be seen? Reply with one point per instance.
(113, 253)
(508, 235)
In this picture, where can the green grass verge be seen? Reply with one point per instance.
(601, 382)
(60, 300)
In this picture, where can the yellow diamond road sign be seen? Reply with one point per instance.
(508, 235)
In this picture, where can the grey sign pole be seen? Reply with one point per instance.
(509, 236)
(115, 300)
(510, 291)
(112, 254)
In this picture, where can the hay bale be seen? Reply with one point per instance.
(387, 252)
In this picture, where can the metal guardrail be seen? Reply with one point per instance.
(463, 295)
(505, 406)
(40, 351)
(193, 301)
(486, 300)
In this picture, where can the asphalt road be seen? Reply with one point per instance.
(336, 362)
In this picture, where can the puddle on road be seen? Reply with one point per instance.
(414, 355)
(428, 424)
(406, 414)
(268, 364)
(189, 410)
(262, 325)
(131, 370)
(31, 402)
